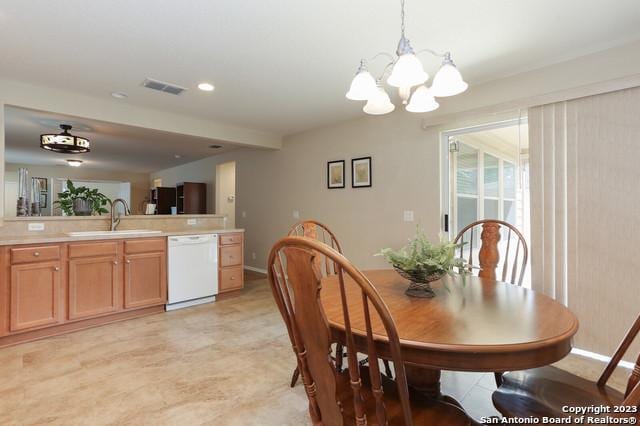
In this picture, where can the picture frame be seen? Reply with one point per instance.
(43, 200)
(44, 183)
(361, 176)
(335, 174)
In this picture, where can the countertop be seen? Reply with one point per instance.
(64, 238)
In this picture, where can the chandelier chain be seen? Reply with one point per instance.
(402, 17)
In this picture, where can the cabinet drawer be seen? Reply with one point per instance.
(226, 239)
(145, 246)
(230, 279)
(93, 249)
(35, 254)
(231, 255)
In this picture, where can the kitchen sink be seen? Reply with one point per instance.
(111, 233)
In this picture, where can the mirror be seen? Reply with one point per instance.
(123, 162)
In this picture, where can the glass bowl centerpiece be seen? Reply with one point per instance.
(422, 262)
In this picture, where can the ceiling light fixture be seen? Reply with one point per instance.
(64, 142)
(206, 87)
(119, 95)
(74, 163)
(406, 73)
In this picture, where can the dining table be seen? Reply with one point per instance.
(471, 324)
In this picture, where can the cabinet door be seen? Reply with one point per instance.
(94, 286)
(145, 280)
(35, 295)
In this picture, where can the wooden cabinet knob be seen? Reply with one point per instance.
(127, 261)
(36, 253)
(115, 262)
(233, 278)
(56, 268)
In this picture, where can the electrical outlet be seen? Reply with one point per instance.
(253, 255)
(192, 221)
(244, 214)
(296, 214)
(38, 226)
(408, 216)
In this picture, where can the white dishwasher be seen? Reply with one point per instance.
(193, 270)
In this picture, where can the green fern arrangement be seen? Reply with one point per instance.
(425, 258)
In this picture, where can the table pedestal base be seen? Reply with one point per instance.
(424, 380)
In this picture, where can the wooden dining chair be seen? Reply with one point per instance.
(358, 395)
(488, 233)
(320, 232)
(545, 391)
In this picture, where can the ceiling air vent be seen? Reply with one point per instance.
(163, 86)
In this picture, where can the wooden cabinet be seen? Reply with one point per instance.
(231, 276)
(55, 288)
(164, 198)
(35, 295)
(191, 198)
(145, 273)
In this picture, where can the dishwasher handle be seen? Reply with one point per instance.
(192, 239)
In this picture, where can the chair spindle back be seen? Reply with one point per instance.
(488, 234)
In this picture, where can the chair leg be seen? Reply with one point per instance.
(387, 369)
(339, 353)
(294, 378)
(498, 377)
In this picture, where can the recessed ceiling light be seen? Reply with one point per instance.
(119, 95)
(215, 146)
(206, 87)
(74, 163)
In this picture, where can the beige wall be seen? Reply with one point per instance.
(139, 181)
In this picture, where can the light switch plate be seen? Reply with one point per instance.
(37, 226)
(244, 214)
(192, 221)
(296, 214)
(408, 216)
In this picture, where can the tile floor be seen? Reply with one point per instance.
(227, 363)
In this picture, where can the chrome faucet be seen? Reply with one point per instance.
(115, 220)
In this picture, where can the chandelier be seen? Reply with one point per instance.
(64, 142)
(406, 73)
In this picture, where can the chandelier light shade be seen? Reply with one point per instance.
(407, 74)
(422, 100)
(363, 85)
(448, 80)
(379, 103)
(64, 142)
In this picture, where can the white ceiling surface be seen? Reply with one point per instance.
(113, 146)
(284, 66)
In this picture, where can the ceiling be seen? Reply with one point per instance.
(508, 141)
(284, 66)
(113, 146)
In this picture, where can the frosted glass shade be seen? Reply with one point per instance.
(448, 82)
(379, 103)
(407, 71)
(422, 101)
(363, 86)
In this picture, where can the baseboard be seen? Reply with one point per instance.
(253, 269)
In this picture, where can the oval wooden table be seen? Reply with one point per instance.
(472, 324)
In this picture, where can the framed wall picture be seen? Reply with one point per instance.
(361, 172)
(335, 174)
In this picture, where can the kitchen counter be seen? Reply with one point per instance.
(36, 238)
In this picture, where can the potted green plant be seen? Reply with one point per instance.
(82, 201)
(422, 262)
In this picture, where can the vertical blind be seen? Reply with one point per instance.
(585, 212)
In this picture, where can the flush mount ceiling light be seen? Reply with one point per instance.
(119, 95)
(206, 87)
(64, 142)
(74, 163)
(406, 73)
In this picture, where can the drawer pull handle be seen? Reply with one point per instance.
(36, 253)
(56, 269)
